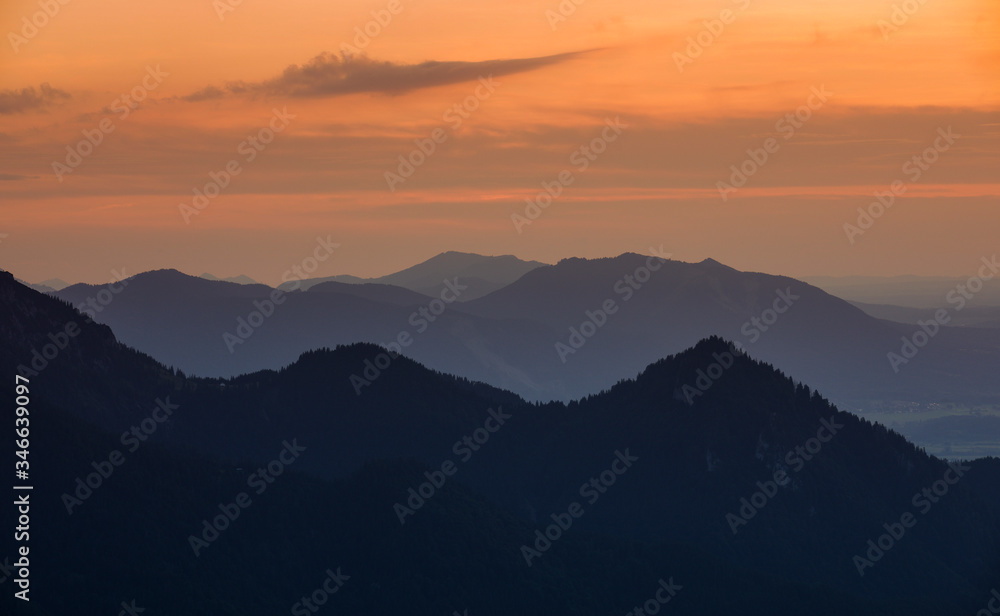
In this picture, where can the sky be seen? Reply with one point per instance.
(638, 116)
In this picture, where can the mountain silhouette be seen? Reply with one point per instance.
(701, 431)
(241, 279)
(481, 274)
(521, 337)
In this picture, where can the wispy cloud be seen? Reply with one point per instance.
(30, 99)
(205, 94)
(332, 75)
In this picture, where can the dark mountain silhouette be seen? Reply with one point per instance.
(456, 556)
(482, 274)
(696, 455)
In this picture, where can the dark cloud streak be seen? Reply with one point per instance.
(331, 75)
(29, 99)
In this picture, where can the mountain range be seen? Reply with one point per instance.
(750, 490)
(547, 336)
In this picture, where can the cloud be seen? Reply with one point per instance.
(29, 99)
(14, 177)
(205, 94)
(332, 75)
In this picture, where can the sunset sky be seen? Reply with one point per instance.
(211, 78)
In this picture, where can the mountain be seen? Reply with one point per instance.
(241, 279)
(524, 337)
(307, 283)
(54, 283)
(455, 557)
(204, 327)
(385, 293)
(41, 287)
(481, 274)
(159, 285)
(816, 337)
(677, 486)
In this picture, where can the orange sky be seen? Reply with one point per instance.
(218, 80)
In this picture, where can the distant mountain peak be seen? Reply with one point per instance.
(710, 262)
(167, 271)
(473, 258)
(241, 279)
(54, 283)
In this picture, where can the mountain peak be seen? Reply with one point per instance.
(241, 279)
(713, 263)
(472, 258)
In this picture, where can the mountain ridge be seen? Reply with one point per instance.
(696, 456)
